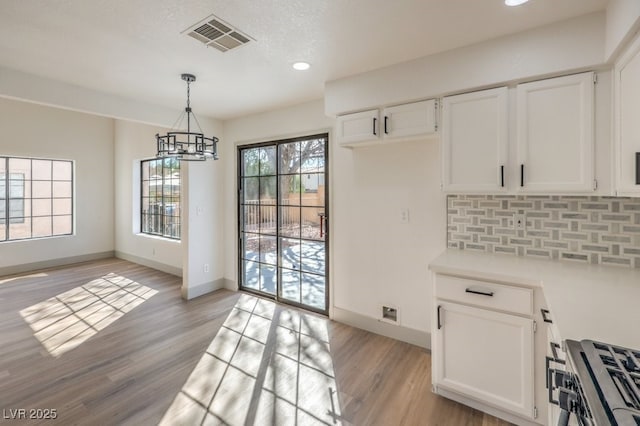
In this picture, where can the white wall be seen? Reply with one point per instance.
(203, 220)
(563, 47)
(377, 259)
(38, 131)
(623, 20)
(201, 233)
(19, 85)
(374, 259)
(135, 142)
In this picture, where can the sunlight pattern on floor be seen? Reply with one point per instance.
(266, 366)
(20, 277)
(65, 321)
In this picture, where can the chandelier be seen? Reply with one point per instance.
(189, 146)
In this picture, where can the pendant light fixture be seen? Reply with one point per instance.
(189, 146)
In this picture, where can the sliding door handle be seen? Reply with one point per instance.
(386, 130)
(439, 322)
(521, 174)
(374, 126)
(502, 176)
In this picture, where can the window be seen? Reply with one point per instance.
(36, 198)
(160, 192)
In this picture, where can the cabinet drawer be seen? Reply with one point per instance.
(484, 293)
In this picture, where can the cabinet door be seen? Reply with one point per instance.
(555, 134)
(408, 120)
(474, 141)
(358, 128)
(627, 124)
(485, 355)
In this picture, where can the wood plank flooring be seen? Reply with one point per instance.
(112, 342)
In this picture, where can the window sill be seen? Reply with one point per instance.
(157, 237)
(48, 237)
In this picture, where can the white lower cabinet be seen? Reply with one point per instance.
(483, 345)
(487, 355)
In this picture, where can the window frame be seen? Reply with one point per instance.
(165, 201)
(7, 178)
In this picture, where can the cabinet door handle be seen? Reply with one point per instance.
(479, 292)
(637, 168)
(545, 318)
(521, 174)
(502, 176)
(386, 131)
(374, 126)
(439, 323)
(554, 348)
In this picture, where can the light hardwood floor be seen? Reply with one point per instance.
(112, 342)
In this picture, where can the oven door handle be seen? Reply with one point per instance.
(550, 386)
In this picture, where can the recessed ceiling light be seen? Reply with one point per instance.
(301, 66)
(515, 2)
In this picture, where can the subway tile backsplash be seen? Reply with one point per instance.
(577, 228)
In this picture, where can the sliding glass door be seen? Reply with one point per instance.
(282, 215)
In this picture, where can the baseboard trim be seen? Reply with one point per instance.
(149, 263)
(189, 293)
(230, 284)
(52, 263)
(405, 334)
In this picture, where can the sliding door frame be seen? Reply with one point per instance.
(239, 220)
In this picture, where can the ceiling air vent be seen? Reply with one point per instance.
(213, 31)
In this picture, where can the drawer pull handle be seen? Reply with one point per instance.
(545, 318)
(481, 293)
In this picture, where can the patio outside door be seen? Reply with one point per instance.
(283, 220)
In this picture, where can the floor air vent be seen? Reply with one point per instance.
(213, 31)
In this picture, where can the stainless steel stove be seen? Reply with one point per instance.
(605, 386)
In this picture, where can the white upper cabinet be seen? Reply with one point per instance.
(407, 120)
(358, 128)
(397, 123)
(555, 135)
(627, 122)
(474, 141)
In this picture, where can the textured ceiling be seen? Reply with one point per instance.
(135, 48)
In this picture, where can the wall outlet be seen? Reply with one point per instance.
(205, 267)
(519, 221)
(404, 215)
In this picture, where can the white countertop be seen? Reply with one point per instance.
(586, 301)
